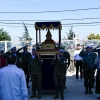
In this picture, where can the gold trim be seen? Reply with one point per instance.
(47, 52)
(50, 27)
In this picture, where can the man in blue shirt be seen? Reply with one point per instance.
(12, 81)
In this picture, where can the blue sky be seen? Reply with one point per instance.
(47, 5)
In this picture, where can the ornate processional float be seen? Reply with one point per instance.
(48, 50)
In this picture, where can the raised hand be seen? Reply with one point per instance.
(38, 56)
(58, 56)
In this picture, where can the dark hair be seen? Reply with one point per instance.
(11, 59)
(82, 44)
(78, 44)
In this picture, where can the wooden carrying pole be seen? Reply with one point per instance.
(36, 37)
(39, 36)
(59, 37)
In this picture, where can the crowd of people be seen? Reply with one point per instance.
(16, 68)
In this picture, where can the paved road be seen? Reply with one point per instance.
(74, 91)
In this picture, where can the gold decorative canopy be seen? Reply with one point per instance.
(48, 25)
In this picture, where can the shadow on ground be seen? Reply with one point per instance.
(74, 91)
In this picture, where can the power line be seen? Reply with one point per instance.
(86, 9)
(62, 24)
(16, 26)
(15, 23)
(82, 23)
(55, 20)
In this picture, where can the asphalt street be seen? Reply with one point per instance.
(74, 91)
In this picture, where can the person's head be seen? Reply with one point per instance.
(92, 45)
(13, 49)
(34, 51)
(27, 44)
(2, 52)
(82, 45)
(78, 46)
(33, 46)
(25, 48)
(61, 52)
(71, 46)
(11, 59)
(89, 49)
(63, 47)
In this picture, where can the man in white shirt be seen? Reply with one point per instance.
(12, 81)
(78, 62)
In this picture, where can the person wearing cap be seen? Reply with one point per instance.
(33, 46)
(24, 56)
(35, 71)
(59, 63)
(78, 62)
(3, 61)
(89, 58)
(67, 56)
(13, 50)
(1, 51)
(82, 46)
(12, 81)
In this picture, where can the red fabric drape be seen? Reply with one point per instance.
(3, 61)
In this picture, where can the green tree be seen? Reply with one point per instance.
(70, 35)
(25, 36)
(4, 36)
(93, 36)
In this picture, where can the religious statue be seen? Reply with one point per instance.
(49, 37)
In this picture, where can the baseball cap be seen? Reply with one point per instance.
(1, 50)
(61, 51)
(34, 49)
(24, 47)
(88, 47)
(13, 48)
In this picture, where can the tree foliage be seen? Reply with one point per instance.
(25, 36)
(69, 35)
(4, 36)
(93, 36)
